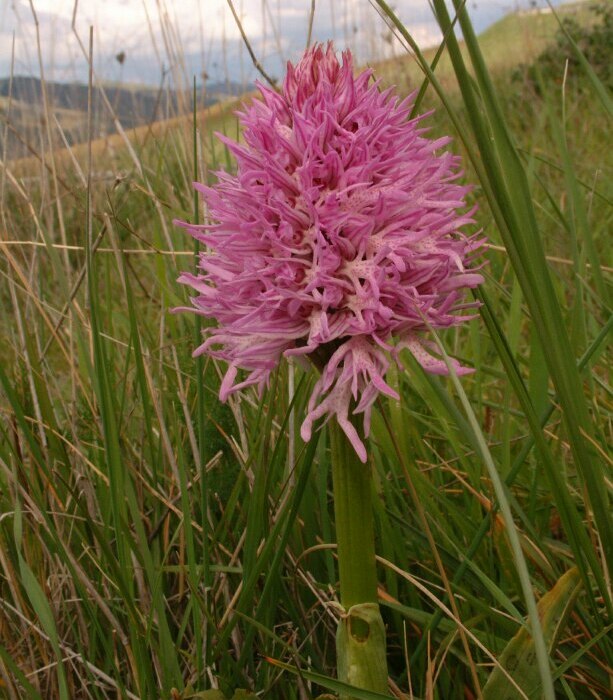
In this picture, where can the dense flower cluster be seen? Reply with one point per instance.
(340, 232)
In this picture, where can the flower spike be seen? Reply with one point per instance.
(340, 238)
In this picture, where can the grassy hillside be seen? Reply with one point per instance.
(24, 112)
(521, 36)
(155, 543)
(113, 154)
(516, 39)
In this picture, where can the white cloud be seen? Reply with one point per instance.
(153, 33)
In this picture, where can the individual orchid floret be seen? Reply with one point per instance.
(340, 238)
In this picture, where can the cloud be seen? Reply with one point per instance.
(194, 36)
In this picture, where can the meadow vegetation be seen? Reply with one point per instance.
(155, 543)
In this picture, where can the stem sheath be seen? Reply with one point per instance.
(360, 640)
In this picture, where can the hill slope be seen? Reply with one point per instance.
(22, 108)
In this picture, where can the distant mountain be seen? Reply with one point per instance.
(133, 105)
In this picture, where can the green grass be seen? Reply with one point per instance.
(155, 543)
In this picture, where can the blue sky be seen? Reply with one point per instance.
(188, 36)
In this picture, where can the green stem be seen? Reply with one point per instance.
(360, 640)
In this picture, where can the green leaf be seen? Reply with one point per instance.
(331, 683)
(360, 648)
(241, 694)
(519, 658)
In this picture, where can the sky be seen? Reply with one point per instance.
(174, 40)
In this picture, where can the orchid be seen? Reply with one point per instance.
(340, 238)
